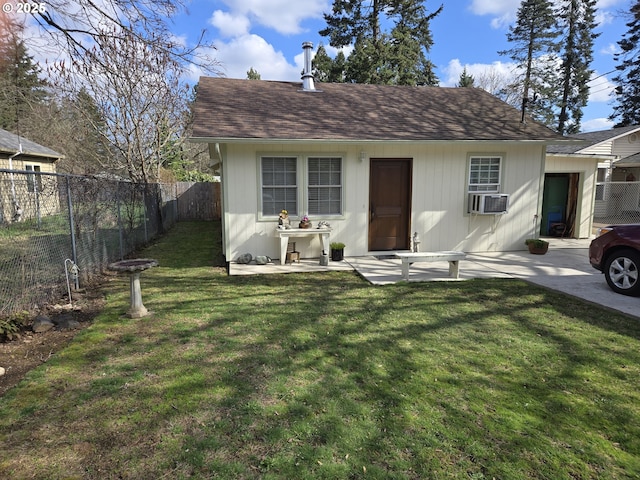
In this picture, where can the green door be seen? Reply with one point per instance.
(554, 200)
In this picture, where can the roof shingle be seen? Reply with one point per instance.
(10, 143)
(233, 109)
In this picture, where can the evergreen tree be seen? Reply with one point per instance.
(20, 85)
(407, 61)
(578, 23)
(534, 47)
(364, 64)
(326, 69)
(627, 108)
(253, 74)
(397, 56)
(466, 80)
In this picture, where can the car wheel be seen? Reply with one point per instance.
(621, 272)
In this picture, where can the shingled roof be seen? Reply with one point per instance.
(11, 143)
(228, 110)
(589, 139)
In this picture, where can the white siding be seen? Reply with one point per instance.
(439, 199)
(622, 147)
(604, 148)
(627, 145)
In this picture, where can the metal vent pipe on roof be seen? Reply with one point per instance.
(307, 76)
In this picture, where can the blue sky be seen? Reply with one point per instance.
(268, 35)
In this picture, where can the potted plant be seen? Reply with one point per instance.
(337, 251)
(537, 246)
(304, 222)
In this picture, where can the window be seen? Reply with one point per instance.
(484, 174)
(325, 186)
(33, 181)
(601, 185)
(279, 185)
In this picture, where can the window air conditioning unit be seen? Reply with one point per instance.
(489, 203)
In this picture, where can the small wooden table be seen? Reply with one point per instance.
(453, 257)
(285, 234)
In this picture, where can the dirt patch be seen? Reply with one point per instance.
(22, 354)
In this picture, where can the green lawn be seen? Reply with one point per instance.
(325, 376)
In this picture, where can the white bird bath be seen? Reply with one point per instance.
(134, 268)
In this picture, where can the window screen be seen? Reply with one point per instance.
(279, 185)
(34, 182)
(325, 186)
(484, 174)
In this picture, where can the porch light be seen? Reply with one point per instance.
(363, 156)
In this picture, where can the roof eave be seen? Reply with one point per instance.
(347, 141)
(25, 153)
(598, 157)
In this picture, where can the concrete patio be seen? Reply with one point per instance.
(564, 268)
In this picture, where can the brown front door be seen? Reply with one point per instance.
(389, 204)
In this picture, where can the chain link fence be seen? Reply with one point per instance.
(50, 223)
(617, 203)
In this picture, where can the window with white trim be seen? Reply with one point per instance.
(484, 173)
(324, 187)
(279, 185)
(33, 181)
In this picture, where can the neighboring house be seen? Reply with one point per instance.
(616, 153)
(378, 162)
(24, 195)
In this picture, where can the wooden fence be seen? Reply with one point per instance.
(198, 201)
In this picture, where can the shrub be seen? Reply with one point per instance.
(536, 242)
(11, 326)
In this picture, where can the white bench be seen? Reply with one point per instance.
(452, 257)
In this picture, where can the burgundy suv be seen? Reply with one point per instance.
(616, 253)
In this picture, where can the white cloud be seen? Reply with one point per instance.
(502, 11)
(611, 49)
(332, 51)
(596, 124)
(238, 50)
(497, 69)
(601, 4)
(494, 7)
(600, 89)
(230, 25)
(242, 53)
(284, 16)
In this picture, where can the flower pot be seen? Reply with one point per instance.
(337, 255)
(538, 250)
(304, 225)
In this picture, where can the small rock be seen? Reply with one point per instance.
(244, 258)
(2, 371)
(262, 260)
(66, 322)
(61, 318)
(42, 324)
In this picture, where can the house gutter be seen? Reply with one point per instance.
(226, 241)
(13, 185)
(231, 140)
(599, 157)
